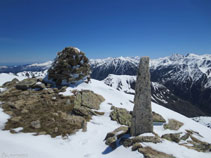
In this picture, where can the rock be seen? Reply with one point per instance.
(77, 121)
(99, 113)
(82, 111)
(152, 153)
(110, 141)
(174, 137)
(136, 146)
(42, 133)
(142, 121)
(10, 83)
(16, 119)
(173, 124)
(185, 136)
(91, 100)
(117, 132)
(77, 100)
(199, 145)
(140, 139)
(39, 86)
(36, 124)
(157, 117)
(45, 110)
(121, 115)
(70, 66)
(112, 137)
(26, 83)
(124, 117)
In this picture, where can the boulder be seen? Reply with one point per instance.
(112, 137)
(148, 152)
(111, 141)
(70, 66)
(10, 83)
(157, 117)
(124, 117)
(140, 139)
(36, 124)
(173, 124)
(117, 132)
(26, 83)
(121, 115)
(185, 136)
(136, 146)
(199, 145)
(76, 121)
(174, 137)
(91, 100)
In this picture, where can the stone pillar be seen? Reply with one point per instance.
(142, 121)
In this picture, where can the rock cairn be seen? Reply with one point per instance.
(70, 66)
(142, 121)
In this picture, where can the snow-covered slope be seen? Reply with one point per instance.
(160, 94)
(101, 68)
(90, 144)
(4, 77)
(187, 77)
(124, 83)
(203, 120)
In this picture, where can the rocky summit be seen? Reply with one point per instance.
(41, 110)
(70, 66)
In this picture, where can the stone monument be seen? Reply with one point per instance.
(70, 66)
(142, 121)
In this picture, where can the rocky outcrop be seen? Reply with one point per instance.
(140, 139)
(197, 145)
(70, 66)
(46, 111)
(148, 152)
(124, 117)
(142, 121)
(84, 103)
(91, 100)
(174, 137)
(113, 136)
(26, 84)
(173, 124)
(157, 117)
(10, 83)
(121, 115)
(119, 136)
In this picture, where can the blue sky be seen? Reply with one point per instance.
(35, 30)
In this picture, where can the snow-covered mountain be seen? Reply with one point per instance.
(90, 144)
(101, 68)
(160, 94)
(188, 78)
(36, 67)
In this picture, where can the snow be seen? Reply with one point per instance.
(47, 64)
(120, 82)
(191, 66)
(5, 77)
(90, 144)
(204, 120)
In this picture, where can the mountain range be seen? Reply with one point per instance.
(181, 83)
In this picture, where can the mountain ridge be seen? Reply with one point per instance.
(188, 77)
